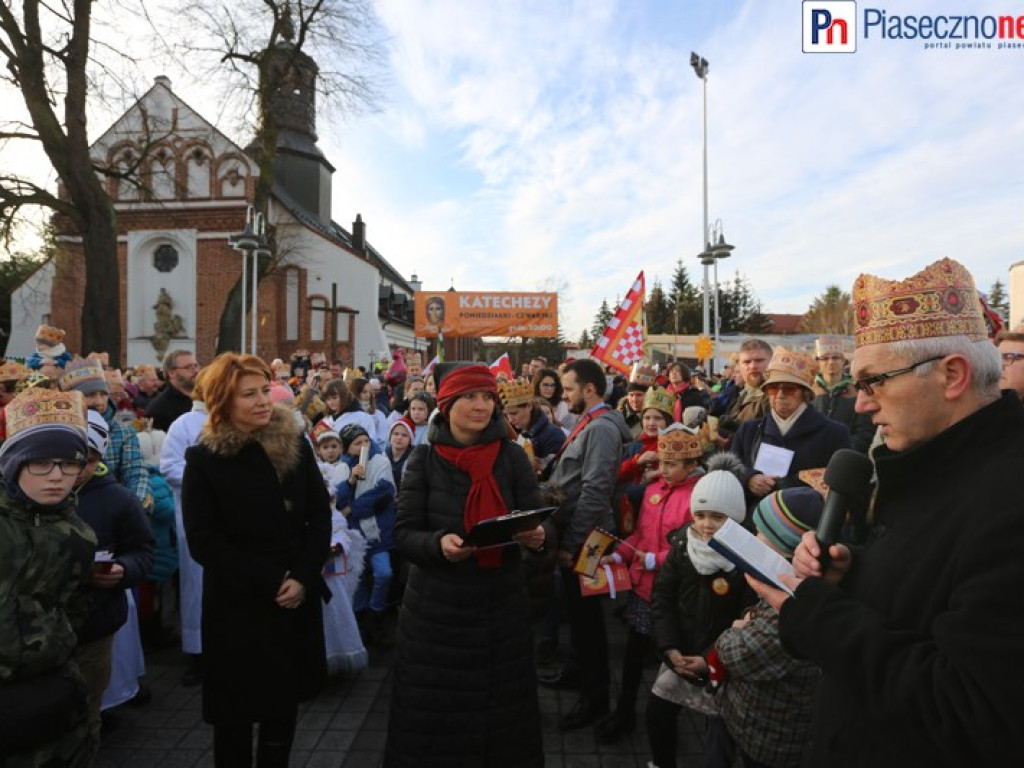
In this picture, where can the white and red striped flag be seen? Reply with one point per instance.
(622, 342)
(502, 365)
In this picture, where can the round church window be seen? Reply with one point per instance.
(165, 259)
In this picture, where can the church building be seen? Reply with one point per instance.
(177, 262)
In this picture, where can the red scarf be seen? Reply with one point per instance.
(484, 500)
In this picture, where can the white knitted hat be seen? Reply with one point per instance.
(719, 491)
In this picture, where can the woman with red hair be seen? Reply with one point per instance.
(465, 685)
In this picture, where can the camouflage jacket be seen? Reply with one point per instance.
(46, 556)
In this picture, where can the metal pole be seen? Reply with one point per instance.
(704, 232)
(242, 284)
(255, 298)
(718, 317)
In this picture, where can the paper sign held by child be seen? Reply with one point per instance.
(610, 579)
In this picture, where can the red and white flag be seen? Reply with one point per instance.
(622, 342)
(502, 365)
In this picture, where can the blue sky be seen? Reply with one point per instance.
(539, 144)
(530, 144)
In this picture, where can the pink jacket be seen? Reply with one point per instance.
(665, 508)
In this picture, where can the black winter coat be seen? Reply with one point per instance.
(813, 439)
(920, 644)
(116, 516)
(254, 512)
(838, 405)
(688, 612)
(465, 692)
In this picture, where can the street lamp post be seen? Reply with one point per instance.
(700, 67)
(245, 242)
(716, 249)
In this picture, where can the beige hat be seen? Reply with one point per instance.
(790, 365)
(828, 345)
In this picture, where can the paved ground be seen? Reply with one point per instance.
(345, 727)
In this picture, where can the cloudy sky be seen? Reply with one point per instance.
(553, 141)
(531, 143)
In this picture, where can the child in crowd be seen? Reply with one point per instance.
(399, 449)
(697, 595)
(666, 507)
(420, 407)
(767, 696)
(366, 496)
(155, 594)
(328, 451)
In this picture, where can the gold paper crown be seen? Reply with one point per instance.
(659, 398)
(515, 392)
(790, 365)
(413, 357)
(145, 371)
(677, 443)
(12, 371)
(351, 374)
(643, 373)
(308, 403)
(828, 345)
(35, 379)
(36, 407)
(940, 300)
(79, 372)
(113, 376)
(47, 334)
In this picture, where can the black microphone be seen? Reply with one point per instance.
(848, 477)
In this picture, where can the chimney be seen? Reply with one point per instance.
(359, 234)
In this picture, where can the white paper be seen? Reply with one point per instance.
(364, 456)
(773, 461)
(751, 555)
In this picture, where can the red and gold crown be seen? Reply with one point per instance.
(515, 392)
(322, 431)
(677, 443)
(790, 365)
(47, 334)
(36, 407)
(940, 300)
(13, 371)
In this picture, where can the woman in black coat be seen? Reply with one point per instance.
(465, 686)
(258, 519)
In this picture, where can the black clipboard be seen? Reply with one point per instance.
(500, 530)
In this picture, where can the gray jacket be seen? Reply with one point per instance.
(586, 474)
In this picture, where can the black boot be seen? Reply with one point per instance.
(616, 725)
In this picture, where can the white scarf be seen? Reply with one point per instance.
(785, 425)
(703, 557)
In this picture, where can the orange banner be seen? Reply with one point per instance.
(475, 314)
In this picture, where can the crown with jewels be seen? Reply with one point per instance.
(659, 398)
(676, 443)
(515, 392)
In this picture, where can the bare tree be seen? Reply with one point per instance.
(46, 51)
(263, 48)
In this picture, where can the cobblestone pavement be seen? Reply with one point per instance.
(346, 725)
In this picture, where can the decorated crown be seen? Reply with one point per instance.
(36, 407)
(828, 345)
(940, 300)
(322, 431)
(47, 334)
(676, 443)
(661, 399)
(103, 358)
(82, 373)
(642, 373)
(114, 377)
(145, 371)
(790, 365)
(12, 371)
(515, 392)
(413, 357)
(35, 379)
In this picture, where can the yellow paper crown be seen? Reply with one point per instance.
(790, 365)
(661, 399)
(36, 407)
(828, 345)
(940, 300)
(515, 392)
(35, 379)
(677, 443)
(12, 371)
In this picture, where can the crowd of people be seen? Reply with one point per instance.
(289, 516)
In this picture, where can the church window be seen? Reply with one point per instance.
(291, 304)
(165, 258)
(317, 315)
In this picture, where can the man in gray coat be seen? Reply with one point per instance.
(585, 470)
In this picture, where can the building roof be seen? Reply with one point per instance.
(784, 324)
